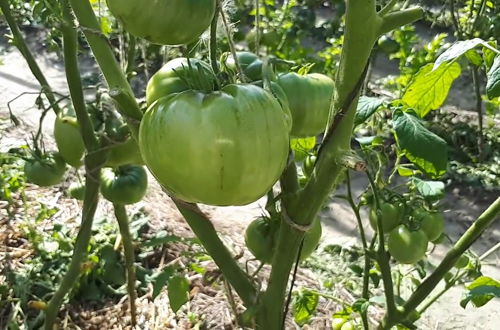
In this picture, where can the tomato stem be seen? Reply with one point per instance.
(230, 41)
(132, 45)
(21, 45)
(213, 40)
(128, 247)
(93, 163)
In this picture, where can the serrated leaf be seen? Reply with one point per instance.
(432, 190)
(480, 292)
(160, 279)
(474, 57)
(456, 50)
(427, 151)
(178, 292)
(428, 89)
(304, 305)
(367, 106)
(493, 84)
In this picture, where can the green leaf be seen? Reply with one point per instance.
(367, 106)
(161, 238)
(428, 89)
(178, 292)
(489, 55)
(493, 84)
(474, 57)
(427, 151)
(432, 190)
(304, 305)
(302, 147)
(456, 50)
(369, 140)
(405, 171)
(160, 279)
(480, 292)
(361, 305)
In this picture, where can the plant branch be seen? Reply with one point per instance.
(21, 45)
(128, 248)
(213, 40)
(132, 48)
(93, 163)
(399, 18)
(387, 8)
(462, 245)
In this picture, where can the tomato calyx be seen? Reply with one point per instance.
(202, 79)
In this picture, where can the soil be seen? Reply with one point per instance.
(463, 204)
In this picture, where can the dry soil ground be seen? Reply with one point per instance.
(339, 222)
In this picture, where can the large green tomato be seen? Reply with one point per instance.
(259, 239)
(170, 78)
(125, 185)
(431, 223)
(68, 138)
(173, 22)
(309, 97)
(46, 171)
(125, 153)
(222, 148)
(391, 217)
(250, 64)
(406, 246)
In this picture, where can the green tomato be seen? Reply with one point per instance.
(170, 78)
(431, 223)
(388, 45)
(348, 326)
(211, 148)
(390, 217)
(337, 323)
(45, 171)
(308, 165)
(262, 236)
(68, 138)
(462, 262)
(303, 180)
(125, 185)
(278, 93)
(259, 237)
(250, 64)
(268, 38)
(406, 246)
(174, 22)
(125, 153)
(309, 97)
(77, 190)
(440, 239)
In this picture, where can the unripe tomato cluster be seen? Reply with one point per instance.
(409, 230)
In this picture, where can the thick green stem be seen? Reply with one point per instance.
(132, 49)
(462, 245)
(205, 232)
(362, 29)
(104, 55)
(93, 163)
(128, 248)
(128, 107)
(213, 41)
(20, 43)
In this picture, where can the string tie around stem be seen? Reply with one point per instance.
(288, 220)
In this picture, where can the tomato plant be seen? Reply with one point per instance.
(124, 185)
(161, 23)
(407, 246)
(308, 165)
(125, 153)
(309, 97)
(250, 64)
(47, 170)
(462, 262)
(210, 147)
(390, 216)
